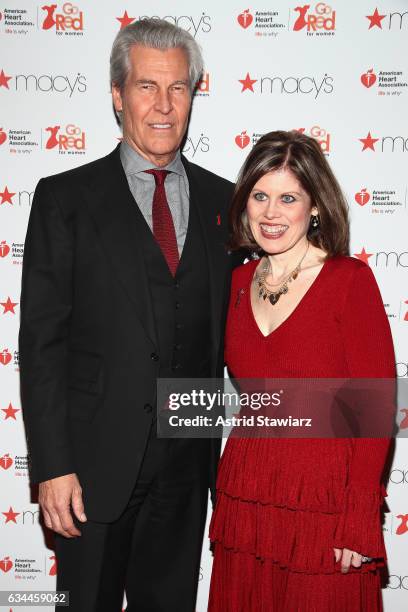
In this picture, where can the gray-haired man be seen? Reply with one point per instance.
(124, 280)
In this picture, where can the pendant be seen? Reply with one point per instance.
(274, 297)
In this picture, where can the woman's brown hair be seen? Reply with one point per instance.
(303, 156)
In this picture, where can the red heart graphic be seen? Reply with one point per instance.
(242, 140)
(4, 248)
(368, 78)
(3, 136)
(245, 19)
(6, 461)
(5, 357)
(362, 197)
(6, 564)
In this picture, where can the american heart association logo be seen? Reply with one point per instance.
(368, 78)
(4, 248)
(245, 19)
(6, 564)
(242, 140)
(3, 136)
(6, 461)
(362, 197)
(5, 357)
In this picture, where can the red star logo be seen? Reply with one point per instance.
(8, 306)
(125, 20)
(363, 256)
(4, 80)
(375, 19)
(11, 516)
(6, 196)
(10, 412)
(247, 83)
(368, 142)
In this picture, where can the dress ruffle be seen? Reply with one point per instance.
(242, 583)
(359, 525)
(273, 511)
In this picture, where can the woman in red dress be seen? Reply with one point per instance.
(296, 527)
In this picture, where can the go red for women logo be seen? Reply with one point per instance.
(70, 19)
(403, 526)
(70, 140)
(320, 19)
(322, 136)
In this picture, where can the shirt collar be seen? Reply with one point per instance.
(134, 163)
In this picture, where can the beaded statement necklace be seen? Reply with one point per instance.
(270, 294)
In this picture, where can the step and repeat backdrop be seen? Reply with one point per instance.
(337, 71)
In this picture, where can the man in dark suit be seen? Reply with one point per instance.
(124, 280)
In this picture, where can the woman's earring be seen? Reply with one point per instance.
(315, 221)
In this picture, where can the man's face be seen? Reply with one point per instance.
(155, 102)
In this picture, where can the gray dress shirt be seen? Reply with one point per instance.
(142, 186)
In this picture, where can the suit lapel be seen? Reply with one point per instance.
(214, 236)
(118, 221)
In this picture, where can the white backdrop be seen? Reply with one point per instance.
(339, 72)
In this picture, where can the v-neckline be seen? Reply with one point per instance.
(315, 282)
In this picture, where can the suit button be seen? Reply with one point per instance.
(154, 357)
(179, 325)
(176, 366)
(177, 305)
(177, 347)
(177, 285)
(148, 407)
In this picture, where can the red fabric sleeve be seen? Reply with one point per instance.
(369, 353)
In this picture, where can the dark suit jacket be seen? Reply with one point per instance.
(87, 338)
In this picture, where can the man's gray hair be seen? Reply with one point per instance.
(157, 34)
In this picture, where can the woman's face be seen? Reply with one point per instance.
(278, 211)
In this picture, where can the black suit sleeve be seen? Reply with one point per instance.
(46, 304)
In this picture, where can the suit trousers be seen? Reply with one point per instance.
(153, 550)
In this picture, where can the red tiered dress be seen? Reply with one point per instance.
(283, 504)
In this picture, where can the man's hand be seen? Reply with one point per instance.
(55, 498)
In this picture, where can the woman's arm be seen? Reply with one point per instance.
(369, 353)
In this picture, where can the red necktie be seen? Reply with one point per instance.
(163, 225)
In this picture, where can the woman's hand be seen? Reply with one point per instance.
(347, 558)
